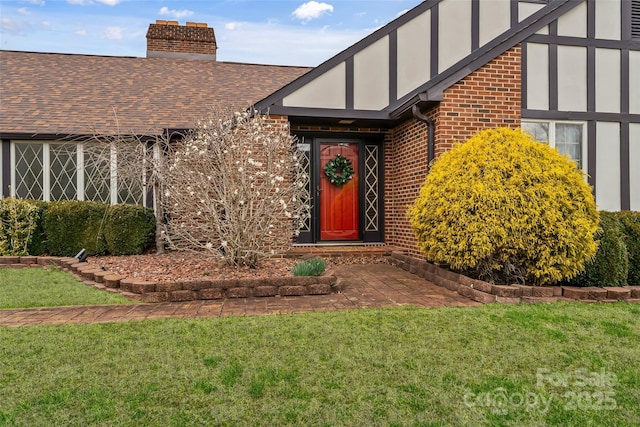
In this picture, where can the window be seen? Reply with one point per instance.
(69, 171)
(566, 137)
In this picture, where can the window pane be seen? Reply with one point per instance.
(28, 171)
(539, 131)
(569, 140)
(63, 171)
(97, 173)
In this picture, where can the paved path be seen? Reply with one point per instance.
(363, 286)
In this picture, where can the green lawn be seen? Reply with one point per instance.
(546, 364)
(39, 287)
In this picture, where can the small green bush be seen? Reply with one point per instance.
(631, 227)
(129, 229)
(18, 221)
(74, 225)
(38, 243)
(610, 265)
(310, 267)
(508, 209)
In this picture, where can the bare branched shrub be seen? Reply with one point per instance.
(138, 163)
(232, 188)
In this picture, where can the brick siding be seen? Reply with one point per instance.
(168, 36)
(487, 98)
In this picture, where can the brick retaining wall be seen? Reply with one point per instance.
(184, 290)
(485, 292)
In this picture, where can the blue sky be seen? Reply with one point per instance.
(257, 31)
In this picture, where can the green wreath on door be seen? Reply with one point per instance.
(339, 170)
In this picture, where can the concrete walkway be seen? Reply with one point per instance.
(363, 286)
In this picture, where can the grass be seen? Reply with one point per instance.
(39, 287)
(403, 366)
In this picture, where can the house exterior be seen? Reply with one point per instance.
(568, 71)
(51, 104)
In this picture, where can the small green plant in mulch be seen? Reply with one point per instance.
(310, 267)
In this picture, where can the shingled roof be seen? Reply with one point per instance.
(66, 94)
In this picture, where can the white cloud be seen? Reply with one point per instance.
(175, 13)
(110, 2)
(81, 32)
(23, 11)
(231, 26)
(296, 45)
(12, 26)
(36, 2)
(312, 10)
(112, 33)
(79, 2)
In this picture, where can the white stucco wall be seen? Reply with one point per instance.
(414, 53)
(572, 78)
(537, 76)
(371, 76)
(608, 80)
(608, 166)
(454, 32)
(326, 91)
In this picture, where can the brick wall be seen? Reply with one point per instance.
(487, 98)
(193, 38)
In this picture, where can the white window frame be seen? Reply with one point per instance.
(552, 136)
(46, 170)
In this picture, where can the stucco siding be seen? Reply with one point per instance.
(326, 91)
(414, 53)
(608, 166)
(371, 76)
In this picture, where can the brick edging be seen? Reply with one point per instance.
(486, 293)
(183, 290)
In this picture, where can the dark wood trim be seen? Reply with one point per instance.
(514, 12)
(349, 85)
(434, 45)
(591, 19)
(625, 23)
(393, 66)
(580, 115)
(591, 154)
(591, 78)
(553, 72)
(475, 24)
(523, 76)
(624, 81)
(5, 179)
(625, 176)
(580, 41)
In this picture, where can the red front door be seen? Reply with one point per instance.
(339, 204)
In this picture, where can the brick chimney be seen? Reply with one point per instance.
(168, 39)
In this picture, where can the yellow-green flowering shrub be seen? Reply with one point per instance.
(505, 208)
(18, 220)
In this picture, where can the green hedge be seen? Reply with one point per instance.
(631, 227)
(129, 230)
(18, 222)
(73, 225)
(38, 243)
(611, 263)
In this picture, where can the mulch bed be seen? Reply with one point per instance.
(173, 266)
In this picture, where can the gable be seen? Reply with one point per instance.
(425, 50)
